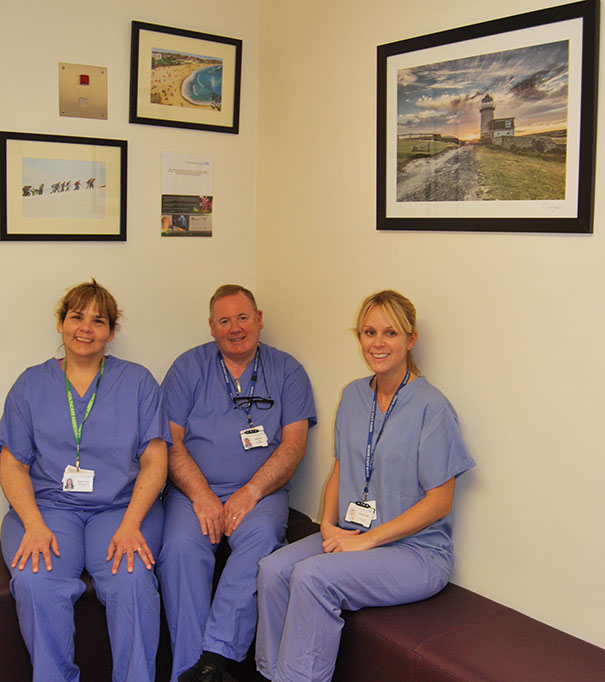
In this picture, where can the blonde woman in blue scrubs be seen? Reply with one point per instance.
(386, 530)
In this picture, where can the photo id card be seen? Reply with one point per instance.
(361, 513)
(254, 437)
(77, 481)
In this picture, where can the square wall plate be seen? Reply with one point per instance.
(82, 91)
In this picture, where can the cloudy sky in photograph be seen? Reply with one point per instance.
(529, 84)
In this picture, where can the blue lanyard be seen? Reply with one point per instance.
(253, 378)
(369, 465)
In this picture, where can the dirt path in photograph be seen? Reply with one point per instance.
(451, 176)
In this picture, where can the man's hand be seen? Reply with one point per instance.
(186, 474)
(238, 505)
(210, 513)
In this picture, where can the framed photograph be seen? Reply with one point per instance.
(184, 79)
(491, 127)
(59, 188)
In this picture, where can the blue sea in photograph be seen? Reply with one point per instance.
(204, 86)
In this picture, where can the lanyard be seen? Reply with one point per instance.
(72, 410)
(369, 465)
(253, 378)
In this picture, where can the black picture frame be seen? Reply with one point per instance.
(409, 197)
(62, 188)
(163, 83)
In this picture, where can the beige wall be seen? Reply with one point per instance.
(511, 326)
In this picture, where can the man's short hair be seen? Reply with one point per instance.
(230, 290)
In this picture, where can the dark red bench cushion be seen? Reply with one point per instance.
(462, 636)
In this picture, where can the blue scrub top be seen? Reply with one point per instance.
(420, 448)
(196, 398)
(126, 415)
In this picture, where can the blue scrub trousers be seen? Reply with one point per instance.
(226, 623)
(45, 599)
(301, 592)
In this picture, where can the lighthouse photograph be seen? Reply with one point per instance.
(487, 127)
(490, 126)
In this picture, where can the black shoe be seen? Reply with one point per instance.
(201, 672)
(205, 672)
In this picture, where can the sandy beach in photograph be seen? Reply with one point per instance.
(166, 83)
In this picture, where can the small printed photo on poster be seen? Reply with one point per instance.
(186, 216)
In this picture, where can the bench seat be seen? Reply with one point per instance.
(455, 636)
(460, 636)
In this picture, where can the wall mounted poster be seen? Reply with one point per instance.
(59, 188)
(491, 127)
(187, 195)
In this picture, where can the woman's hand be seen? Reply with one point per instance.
(128, 540)
(347, 541)
(338, 539)
(38, 539)
(19, 491)
(329, 530)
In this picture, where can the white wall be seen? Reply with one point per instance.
(162, 284)
(511, 326)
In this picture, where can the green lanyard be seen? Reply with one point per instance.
(72, 410)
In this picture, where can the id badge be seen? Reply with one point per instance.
(77, 481)
(361, 513)
(254, 437)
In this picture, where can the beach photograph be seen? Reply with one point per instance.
(180, 79)
(63, 189)
(486, 127)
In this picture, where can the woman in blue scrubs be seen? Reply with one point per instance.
(386, 530)
(83, 461)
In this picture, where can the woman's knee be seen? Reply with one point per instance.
(316, 576)
(123, 586)
(275, 568)
(269, 573)
(27, 582)
(303, 573)
(43, 586)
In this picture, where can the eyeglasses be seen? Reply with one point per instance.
(246, 402)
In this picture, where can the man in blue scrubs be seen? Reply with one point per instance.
(239, 414)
